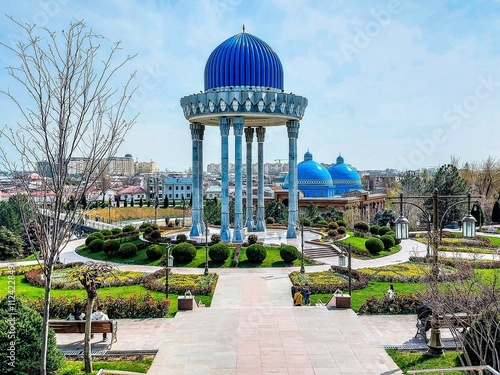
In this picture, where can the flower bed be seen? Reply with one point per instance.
(62, 277)
(400, 304)
(330, 281)
(180, 284)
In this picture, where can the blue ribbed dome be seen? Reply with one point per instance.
(313, 179)
(244, 62)
(344, 177)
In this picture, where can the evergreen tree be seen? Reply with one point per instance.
(11, 245)
(84, 202)
(165, 202)
(173, 202)
(141, 203)
(10, 216)
(125, 203)
(132, 202)
(495, 214)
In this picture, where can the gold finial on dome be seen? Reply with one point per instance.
(243, 27)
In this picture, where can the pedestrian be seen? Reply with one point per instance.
(306, 292)
(297, 297)
(294, 289)
(390, 292)
(100, 315)
(77, 313)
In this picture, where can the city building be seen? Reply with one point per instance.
(178, 188)
(132, 192)
(344, 177)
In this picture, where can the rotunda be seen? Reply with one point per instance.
(344, 177)
(243, 90)
(313, 179)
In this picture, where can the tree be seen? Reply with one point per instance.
(10, 216)
(165, 202)
(141, 202)
(91, 275)
(384, 217)
(173, 202)
(495, 214)
(11, 245)
(83, 202)
(132, 201)
(64, 90)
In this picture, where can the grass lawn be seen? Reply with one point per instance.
(76, 367)
(140, 257)
(420, 361)
(359, 242)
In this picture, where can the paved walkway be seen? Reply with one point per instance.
(252, 327)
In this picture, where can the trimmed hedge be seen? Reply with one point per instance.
(128, 250)
(218, 253)
(106, 232)
(181, 283)
(181, 237)
(388, 241)
(96, 245)
(215, 238)
(383, 230)
(184, 252)
(256, 253)
(111, 247)
(374, 229)
(374, 245)
(253, 238)
(154, 252)
(289, 253)
(128, 228)
(400, 304)
(361, 226)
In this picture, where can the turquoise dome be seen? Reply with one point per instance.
(313, 179)
(344, 177)
(244, 62)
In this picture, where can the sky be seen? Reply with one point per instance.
(390, 84)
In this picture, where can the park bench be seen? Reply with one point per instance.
(458, 320)
(491, 230)
(78, 326)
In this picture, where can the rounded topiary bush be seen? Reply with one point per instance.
(218, 253)
(374, 245)
(111, 247)
(154, 252)
(91, 238)
(289, 253)
(155, 235)
(106, 232)
(322, 222)
(383, 230)
(256, 253)
(374, 229)
(397, 241)
(128, 228)
(342, 230)
(388, 241)
(333, 225)
(116, 230)
(217, 222)
(253, 238)
(341, 223)
(361, 226)
(145, 225)
(128, 250)
(332, 233)
(96, 245)
(270, 220)
(24, 333)
(215, 238)
(306, 222)
(155, 226)
(183, 252)
(148, 230)
(181, 237)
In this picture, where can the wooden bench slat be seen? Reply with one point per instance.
(78, 326)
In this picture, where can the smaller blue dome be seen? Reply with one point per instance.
(344, 177)
(313, 179)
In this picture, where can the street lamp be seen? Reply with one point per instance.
(183, 205)
(468, 230)
(206, 249)
(342, 259)
(168, 264)
(302, 269)
(109, 210)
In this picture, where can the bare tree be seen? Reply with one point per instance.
(91, 275)
(71, 104)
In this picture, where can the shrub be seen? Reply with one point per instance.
(217, 222)
(116, 230)
(374, 245)
(218, 253)
(333, 225)
(332, 233)
(388, 241)
(148, 230)
(144, 225)
(128, 228)
(96, 245)
(374, 229)
(106, 232)
(215, 238)
(256, 253)
(128, 250)
(111, 247)
(306, 222)
(383, 230)
(154, 252)
(92, 237)
(24, 332)
(289, 253)
(155, 226)
(270, 220)
(397, 241)
(181, 237)
(253, 238)
(361, 226)
(183, 252)
(400, 304)
(99, 235)
(341, 230)
(155, 235)
(341, 223)
(322, 222)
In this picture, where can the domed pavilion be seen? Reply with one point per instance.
(244, 90)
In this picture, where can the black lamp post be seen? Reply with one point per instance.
(468, 230)
(206, 249)
(169, 263)
(302, 268)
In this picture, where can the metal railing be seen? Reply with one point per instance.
(483, 369)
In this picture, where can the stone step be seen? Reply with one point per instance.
(320, 252)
